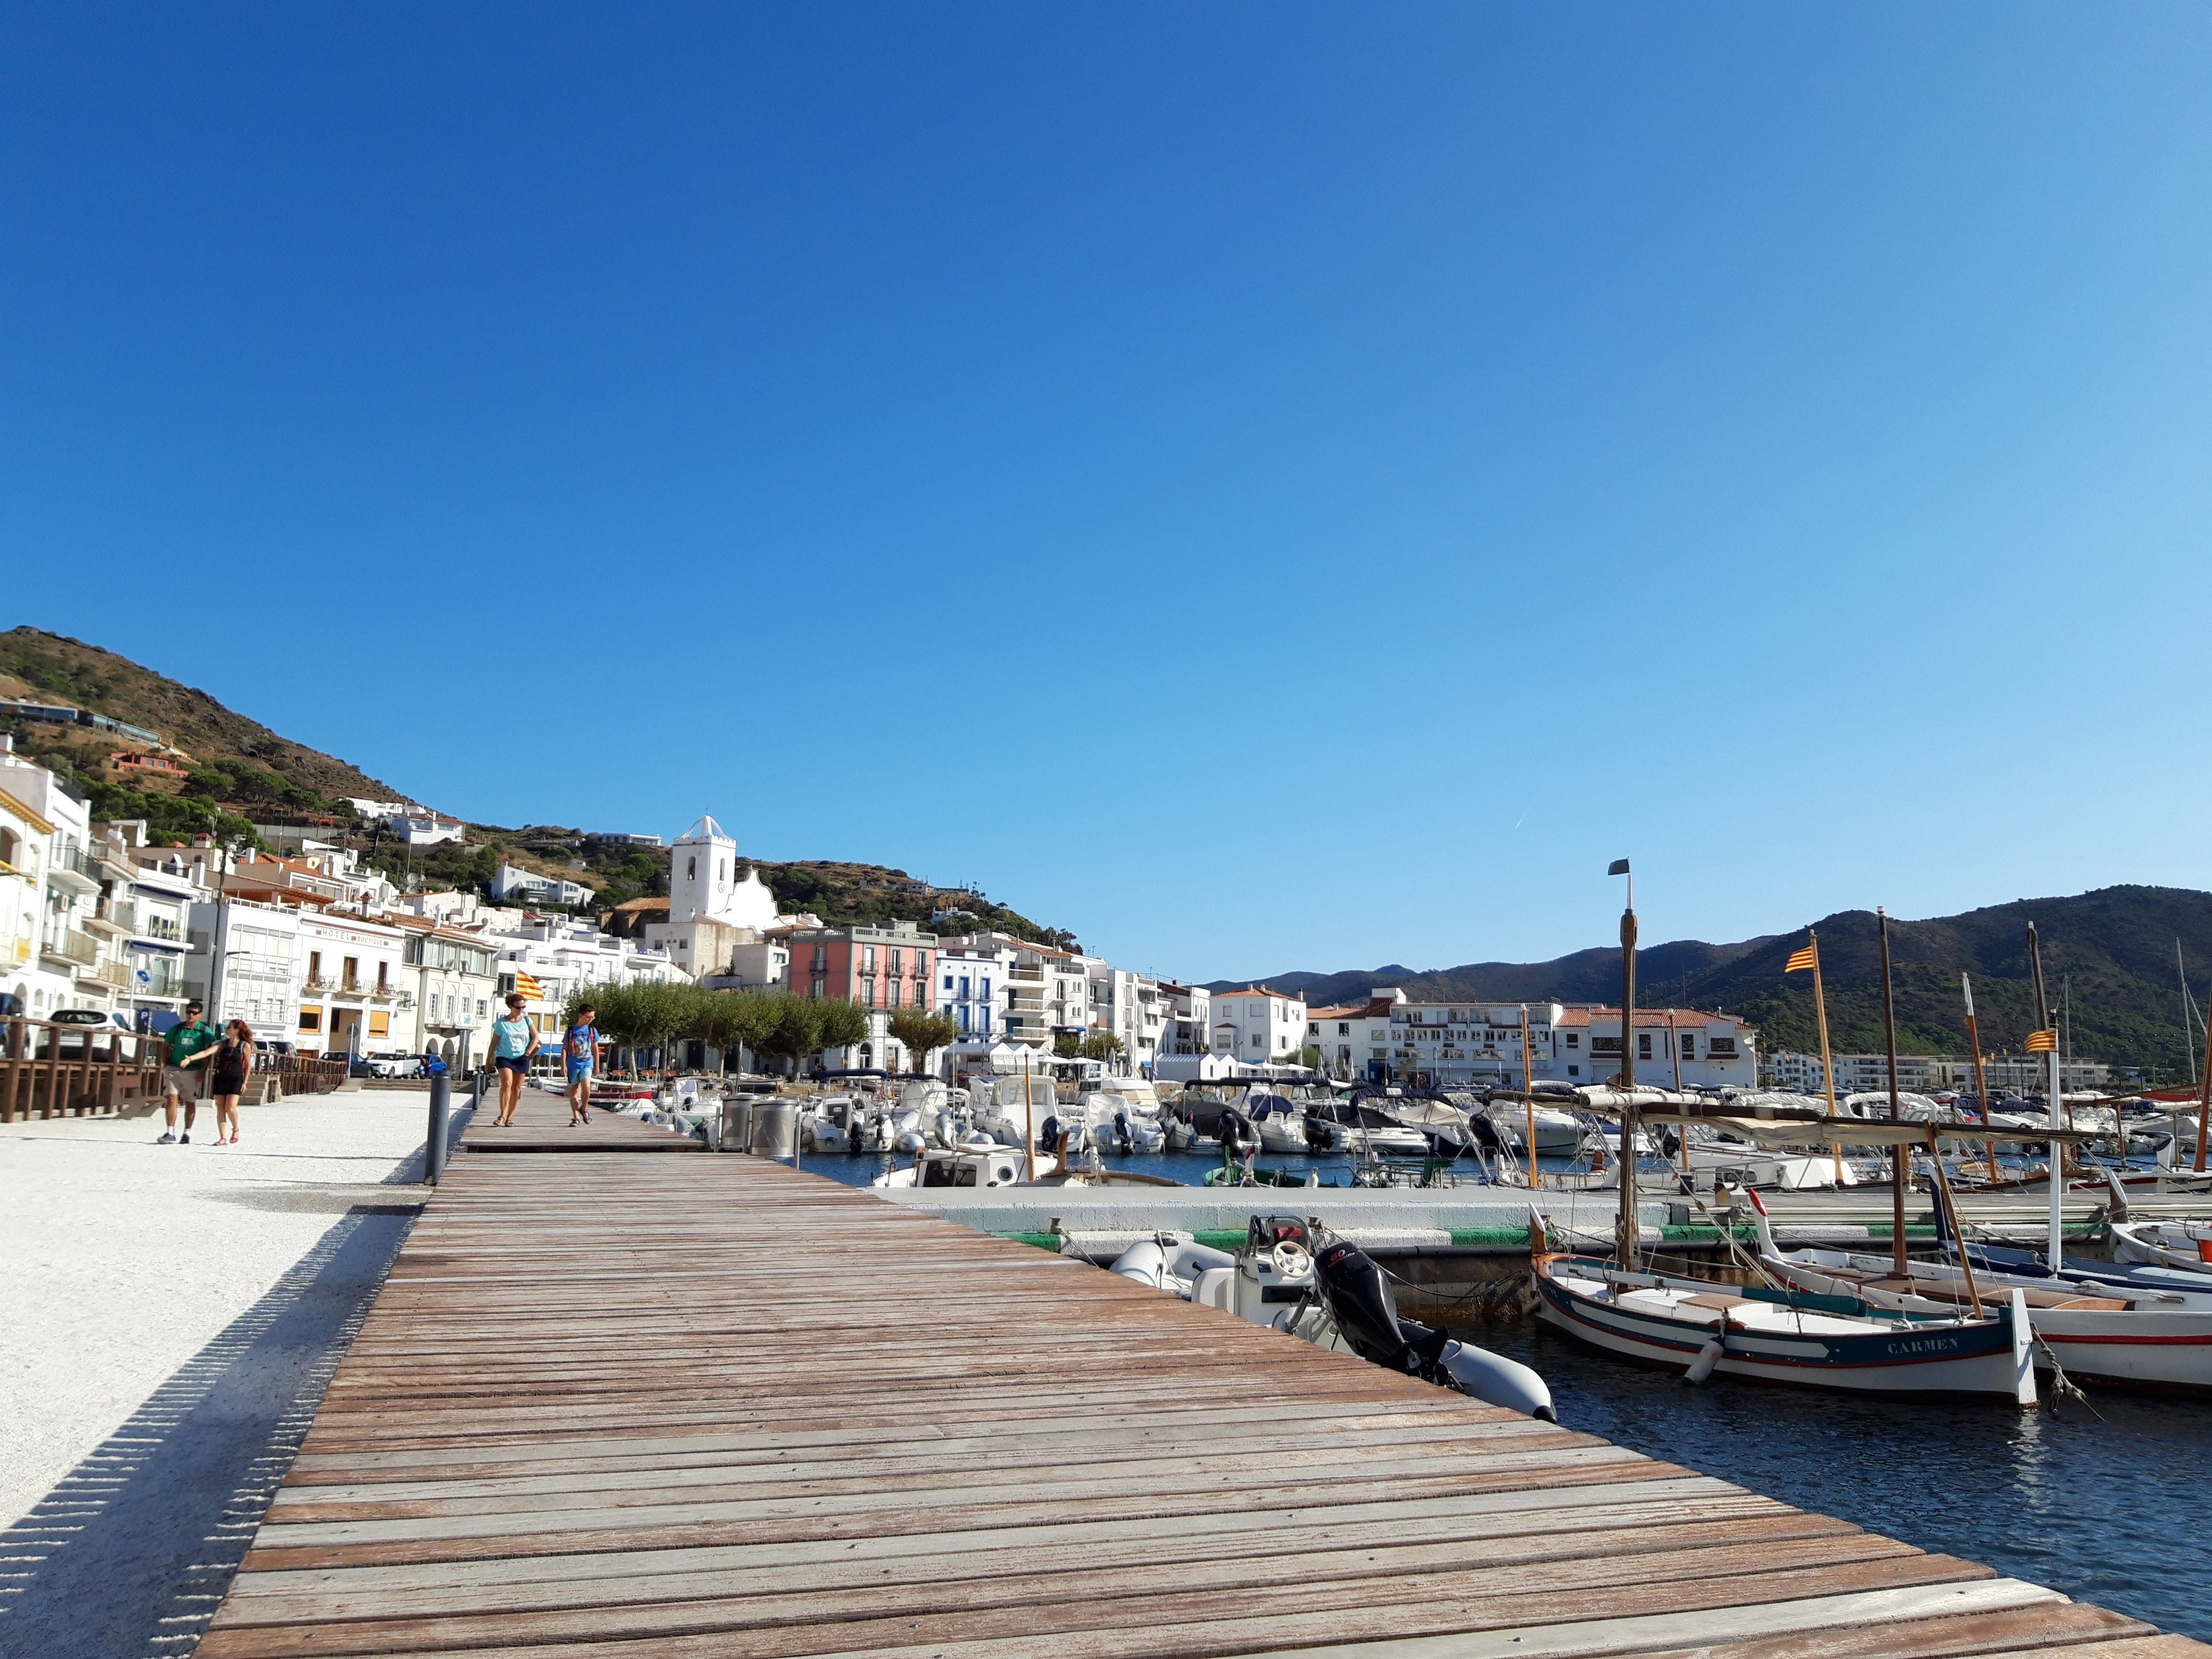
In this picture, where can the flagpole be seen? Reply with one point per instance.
(2057, 1160)
(1528, 1088)
(1981, 1088)
(1827, 1064)
(1626, 1230)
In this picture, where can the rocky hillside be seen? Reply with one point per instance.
(2108, 954)
(241, 772)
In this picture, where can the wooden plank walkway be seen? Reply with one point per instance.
(541, 1125)
(619, 1407)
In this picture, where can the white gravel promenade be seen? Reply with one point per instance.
(169, 1318)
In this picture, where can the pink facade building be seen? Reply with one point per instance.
(883, 968)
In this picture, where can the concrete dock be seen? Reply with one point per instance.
(612, 1406)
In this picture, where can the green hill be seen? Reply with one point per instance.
(2110, 954)
(241, 772)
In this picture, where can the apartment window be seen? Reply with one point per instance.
(480, 1007)
(948, 981)
(315, 967)
(311, 1019)
(1602, 1045)
(383, 976)
(983, 1020)
(893, 989)
(820, 984)
(1720, 1049)
(1344, 1030)
(1574, 1040)
(898, 959)
(986, 992)
(821, 959)
(1643, 1045)
(353, 971)
(1689, 1049)
(963, 986)
(868, 956)
(867, 990)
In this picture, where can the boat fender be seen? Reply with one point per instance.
(1708, 1357)
(1497, 1380)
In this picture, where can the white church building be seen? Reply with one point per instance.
(719, 912)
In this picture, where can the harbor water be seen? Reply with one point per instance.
(2102, 1501)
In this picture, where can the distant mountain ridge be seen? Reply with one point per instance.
(2108, 959)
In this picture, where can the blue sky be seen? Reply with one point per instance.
(1263, 486)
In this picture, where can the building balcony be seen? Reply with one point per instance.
(317, 985)
(381, 992)
(69, 869)
(78, 950)
(106, 922)
(115, 976)
(350, 988)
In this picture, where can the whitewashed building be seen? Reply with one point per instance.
(511, 881)
(1259, 1026)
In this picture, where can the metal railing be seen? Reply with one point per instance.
(48, 1069)
(70, 945)
(303, 1074)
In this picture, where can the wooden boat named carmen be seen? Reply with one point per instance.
(1699, 1326)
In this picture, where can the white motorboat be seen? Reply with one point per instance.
(1280, 1122)
(1558, 1134)
(1338, 1299)
(998, 1166)
(2184, 1245)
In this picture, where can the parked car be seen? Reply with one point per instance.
(393, 1063)
(88, 1031)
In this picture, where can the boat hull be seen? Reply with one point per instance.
(1965, 1360)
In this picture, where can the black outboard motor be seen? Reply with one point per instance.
(1236, 1131)
(1358, 1298)
(1121, 1133)
(1049, 1136)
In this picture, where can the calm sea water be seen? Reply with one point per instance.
(2101, 1503)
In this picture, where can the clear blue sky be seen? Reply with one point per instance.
(1265, 486)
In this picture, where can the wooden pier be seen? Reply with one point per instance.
(612, 1407)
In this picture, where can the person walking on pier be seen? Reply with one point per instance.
(581, 1051)
(513, 1040)
(230, 1064)
(187, 1038)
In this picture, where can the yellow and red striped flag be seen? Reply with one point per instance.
(2042, 1043)
(1808, 957)
(529, 988)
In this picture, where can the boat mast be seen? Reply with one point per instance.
(1625, 1241)
(1899, 1161)
(1528, 1088)
(2188, 1025)
(1981, 1088)
(2047, 1039)
(2203, 1102)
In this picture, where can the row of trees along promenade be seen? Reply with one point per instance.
(771, 1024)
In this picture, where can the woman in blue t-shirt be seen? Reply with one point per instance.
(513, 1040)
(580, 1048)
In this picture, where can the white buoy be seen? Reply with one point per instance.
(1702, 1366)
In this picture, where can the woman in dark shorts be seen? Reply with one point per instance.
(513, 1040)
(229, 1064)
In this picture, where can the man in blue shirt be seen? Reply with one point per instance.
(580, 1048)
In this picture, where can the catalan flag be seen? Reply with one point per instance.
(528, 987)
(2042, 1043)
(1800, 960)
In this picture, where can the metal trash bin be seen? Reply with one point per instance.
(737, 1125)
(775, 1130)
